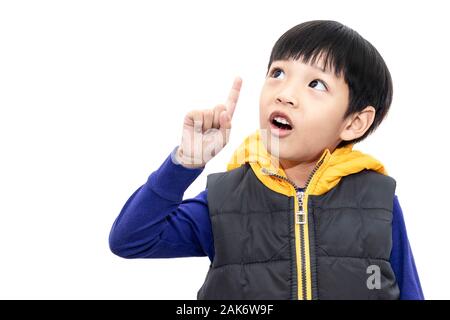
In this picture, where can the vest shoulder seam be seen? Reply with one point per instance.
(250, 212)
(348, 207)
(250, 263)
(351, 257)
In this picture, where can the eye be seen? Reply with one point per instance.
(276, 72)
(317, 81)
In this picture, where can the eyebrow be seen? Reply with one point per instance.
(320, 69)
(315, 66)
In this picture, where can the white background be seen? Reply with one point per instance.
(92, 97)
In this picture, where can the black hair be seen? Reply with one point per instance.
(347, 53)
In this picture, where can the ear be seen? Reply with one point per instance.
(357, 124)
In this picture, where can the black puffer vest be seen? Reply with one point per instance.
(350, 237)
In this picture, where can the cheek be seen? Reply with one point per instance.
(262, 122)
(263, 110)
(320, 126)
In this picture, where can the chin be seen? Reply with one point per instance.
(278, 148)
(288, 156)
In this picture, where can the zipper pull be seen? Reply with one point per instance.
(300, 215)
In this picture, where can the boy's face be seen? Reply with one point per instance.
(314, 103)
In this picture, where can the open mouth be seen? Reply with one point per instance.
(280, 121)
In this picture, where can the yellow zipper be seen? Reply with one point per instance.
(301, 248)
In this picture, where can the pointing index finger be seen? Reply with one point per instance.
(233, 96)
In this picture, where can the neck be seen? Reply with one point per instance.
(298, 172)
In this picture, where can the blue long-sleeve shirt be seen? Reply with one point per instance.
(156, 222)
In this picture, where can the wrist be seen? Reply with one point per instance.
(180, 158)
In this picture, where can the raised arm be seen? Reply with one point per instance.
(156, 222)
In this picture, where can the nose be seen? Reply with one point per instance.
(285, 96)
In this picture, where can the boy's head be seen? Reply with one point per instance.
(328, 109)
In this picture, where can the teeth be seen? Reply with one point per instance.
(281, 120)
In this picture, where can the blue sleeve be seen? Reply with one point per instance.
(402, 260)
(156, 223)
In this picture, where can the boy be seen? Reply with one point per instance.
(298, 214)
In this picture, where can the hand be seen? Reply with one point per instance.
(206, 132)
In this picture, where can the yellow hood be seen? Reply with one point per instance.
(342, 162)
